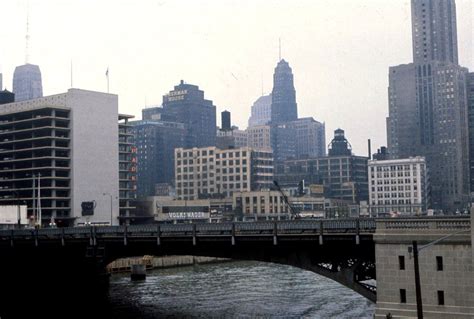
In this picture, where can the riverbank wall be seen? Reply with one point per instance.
(125, 264)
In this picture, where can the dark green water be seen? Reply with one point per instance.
(234, 290)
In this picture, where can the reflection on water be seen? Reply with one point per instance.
(234, 290)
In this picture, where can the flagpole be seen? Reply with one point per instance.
(107, 74)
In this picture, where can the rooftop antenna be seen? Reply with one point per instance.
(262, 83)
(71, 74)
(279, 49)
(27, 37)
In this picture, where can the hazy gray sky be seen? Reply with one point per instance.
(339, 50)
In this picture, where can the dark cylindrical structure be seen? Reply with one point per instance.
(225, 118)
(370, 149)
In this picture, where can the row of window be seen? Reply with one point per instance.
(394, 202)
(394, 195)
(394, 181)
(440, 294)
(393, 168)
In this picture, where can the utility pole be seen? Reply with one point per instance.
(419, 302)
(34, 199)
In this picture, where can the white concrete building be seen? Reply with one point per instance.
(398, 187)
(70, 140)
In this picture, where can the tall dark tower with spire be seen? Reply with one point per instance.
(284, 107)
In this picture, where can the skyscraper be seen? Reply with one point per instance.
(284, 108)
(470, 105)
(27, 83)
(156, 142)
(186, 104)
(428, 105)
(310, 137)
(261, 111)
(434, 33)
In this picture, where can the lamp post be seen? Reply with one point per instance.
(415, 249)
(111, 207)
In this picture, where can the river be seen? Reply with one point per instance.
(237, 289)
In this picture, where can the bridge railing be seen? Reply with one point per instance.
(313, 226)
(433, 223)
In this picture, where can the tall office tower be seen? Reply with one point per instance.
(27, 82)
(428, 104)
(186, 104)
(156, 142)
(434, 32)
(261, 111)
(470, 105)
(310, 137)
(284, 107)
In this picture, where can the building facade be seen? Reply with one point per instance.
(284, 108)
(283, 141)
(434, 31)
(310, 137)
(446, 271)
(233, 138)
(261, 112)
(259, 137)
(156, 142)
(343, 177)
(428, 104)
(398, 187)
(27, 83)
(186, 104)
(51, 157)
(470, 107)
(210, 172)
(127, 170)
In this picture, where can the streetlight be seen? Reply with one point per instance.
(415, 249)
(111, 207)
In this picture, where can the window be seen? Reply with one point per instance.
(401, 262)
(439, 263)
(440, 297)
(403, 296)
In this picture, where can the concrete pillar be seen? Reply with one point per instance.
(138, 272)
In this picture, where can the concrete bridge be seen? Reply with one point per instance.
(341, 249)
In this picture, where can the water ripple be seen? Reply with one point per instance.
(235, 290)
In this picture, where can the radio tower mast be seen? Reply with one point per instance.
(27, 37)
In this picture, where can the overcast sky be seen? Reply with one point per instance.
(339, 50)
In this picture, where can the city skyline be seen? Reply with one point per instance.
(341, 79)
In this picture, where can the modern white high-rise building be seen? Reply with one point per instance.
(60, 151)
(27, 84)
